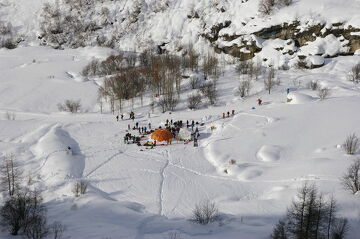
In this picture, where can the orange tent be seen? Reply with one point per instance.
(161, 135)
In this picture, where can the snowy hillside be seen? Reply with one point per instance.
(252, 158)
(326, 28)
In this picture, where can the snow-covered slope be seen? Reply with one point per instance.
(251, 165)
(232, 27)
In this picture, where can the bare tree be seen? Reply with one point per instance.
(57, 229)
(351, 144)
(244, 88)
(205, 212)
(194, 101)
(323, 93)
(270, 82)
(210, 66)
(351, 179)
(209, 91)
(310, 216)
(10, 175)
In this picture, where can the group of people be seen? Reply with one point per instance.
(131, 116)
(129, 138)
(227, 115)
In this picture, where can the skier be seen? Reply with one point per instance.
(69, 151)
(287, 90)
(259, 101)
(149, 126)
(228, 114)
(122, 116)
(117, 118)
(233, 112)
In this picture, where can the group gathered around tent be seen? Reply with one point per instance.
(178, 130)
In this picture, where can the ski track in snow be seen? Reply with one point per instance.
(162, 182)
(104, 163)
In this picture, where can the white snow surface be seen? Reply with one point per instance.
(251, 165)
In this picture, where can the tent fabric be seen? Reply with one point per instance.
(161, 135)
(184, 134)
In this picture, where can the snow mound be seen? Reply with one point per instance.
(299, 98)
(59, 163)
(269, 153)
(315, 61)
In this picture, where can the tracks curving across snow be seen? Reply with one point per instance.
(104, 163)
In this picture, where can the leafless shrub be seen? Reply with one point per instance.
(283, 3)
(266, 6)
(244, 88)
(351, 179)
(351, 144)
(25, 212)
(10, 115)
(313, 85)
(80, 188)
(209, 91)
(37, 227)
(354, 75)
(72, 106)
(57, 229)
(194, 101)
(194, 82)
(174, 235)
(91, 69)
(205, 212)
(323, 93)
(168, 102)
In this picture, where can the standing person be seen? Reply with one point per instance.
(117, 118)
(128, 126)
(139, 130)
(149, 126)
(233, 112)
(228, 114)
(288, 90)
(187, 123)
(122, 116)
(137, 124)
(259, 101)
